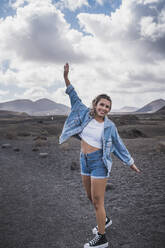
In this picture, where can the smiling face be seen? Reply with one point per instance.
(103, 107)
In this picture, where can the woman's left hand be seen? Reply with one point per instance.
(133, 167)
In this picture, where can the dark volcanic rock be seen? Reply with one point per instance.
(132, 133)
(35, 149)
(120, 120)
(161, 146)
(16, 149)
(74, 166)
(109, 186)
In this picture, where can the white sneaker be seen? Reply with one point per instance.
(107, 224)
(99, 241)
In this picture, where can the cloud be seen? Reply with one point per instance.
(101, 2)
(3, 92)
(151, 30)
(35, 93)
(40, 33)
(134, 24)
(130, 46)
(72, 5)
(121, 54)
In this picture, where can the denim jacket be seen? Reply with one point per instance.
(80, 116)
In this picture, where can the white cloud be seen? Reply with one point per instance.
(122, 54)
(149, 1)
(3, 92)
(34, 93)
(101, 2)
(153, 30)
(72, 5)
(40, 33)
(20, 3)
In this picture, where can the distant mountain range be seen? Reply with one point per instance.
(148, 108)
(47, 107)
(161, 111)
(40, 107)
(128, 109)
(152, 106)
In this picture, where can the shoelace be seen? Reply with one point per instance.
(95, 240)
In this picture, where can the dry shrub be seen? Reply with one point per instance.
(40, 142)
(161, 146)
(131, 133)
(53, 129)
(11, 135)
(23, 134)
(44, 133)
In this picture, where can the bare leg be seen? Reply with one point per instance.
(86, 180)
(97, 192)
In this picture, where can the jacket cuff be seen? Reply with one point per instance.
(69, 89)
(130, 162)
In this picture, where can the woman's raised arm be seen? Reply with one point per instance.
(66, 72)
(76, 102)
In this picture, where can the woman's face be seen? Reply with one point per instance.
(103, 107)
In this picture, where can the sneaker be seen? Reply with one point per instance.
(99, 241)
(107, 224)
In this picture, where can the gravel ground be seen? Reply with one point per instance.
(43, 203)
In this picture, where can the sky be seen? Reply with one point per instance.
(112, 46)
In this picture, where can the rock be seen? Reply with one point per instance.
(40, 121)
(6, 146)
(132, 133)
(11, 135)
(74, 166)
(35, 149)
(43, 154)
(41, 137)
(40, 141)
(16, 149)
(161, 146)
(109, 186)
(23, 133)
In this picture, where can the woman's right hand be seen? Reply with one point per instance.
(66, 70)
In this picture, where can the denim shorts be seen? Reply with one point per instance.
(92, 165)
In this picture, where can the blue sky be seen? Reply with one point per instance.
(113, 46)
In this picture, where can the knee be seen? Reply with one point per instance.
(97, 202)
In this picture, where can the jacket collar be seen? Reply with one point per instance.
(107, 122)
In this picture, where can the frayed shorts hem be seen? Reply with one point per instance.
(86, 174)
(99, 177)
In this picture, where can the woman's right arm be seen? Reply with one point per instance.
(76, 102)
(66, 71)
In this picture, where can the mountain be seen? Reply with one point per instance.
(6, 113)
(124, 110)
(40, 107)
(152, 106)
(161, 111)
(128, 109)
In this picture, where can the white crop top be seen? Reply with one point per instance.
(92, 133)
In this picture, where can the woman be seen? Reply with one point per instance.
(99, 137)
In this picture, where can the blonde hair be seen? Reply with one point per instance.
(95, 102)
